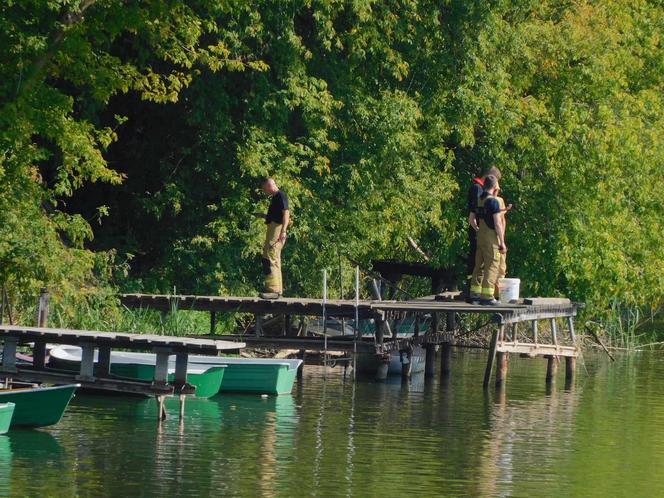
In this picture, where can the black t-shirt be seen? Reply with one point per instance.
(491, 207)
(473, 196)
(278, 204)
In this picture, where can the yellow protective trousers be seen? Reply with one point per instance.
(272, 259)
(487, 263)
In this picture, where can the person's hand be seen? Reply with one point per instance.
(502, 248)
(282, 237)
(509, 207)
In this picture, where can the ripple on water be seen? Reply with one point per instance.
(604, 437)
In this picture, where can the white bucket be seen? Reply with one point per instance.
(509, 289)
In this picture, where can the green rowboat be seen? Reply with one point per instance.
(6, 412)
(242, 375)
(38, 406)
(141, 366)
(207, 380)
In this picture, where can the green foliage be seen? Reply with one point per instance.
(156, 120)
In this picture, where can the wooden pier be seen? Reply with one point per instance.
(538, 327)
(100, 378)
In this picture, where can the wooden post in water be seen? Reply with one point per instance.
(551, 368)
(430, 360)
(407, 367)
(446, 349)
(570, 367)
(302, 355)
(161, 409)
(492, 354)
(430, 348)
(501, 368)
(383, 367)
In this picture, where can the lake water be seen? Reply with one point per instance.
(333, 437)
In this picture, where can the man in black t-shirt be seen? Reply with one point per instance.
(277, 220)
(490, 244)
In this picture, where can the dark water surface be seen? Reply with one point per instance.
(603, 437)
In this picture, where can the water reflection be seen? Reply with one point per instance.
(336, 437)
(5, 465)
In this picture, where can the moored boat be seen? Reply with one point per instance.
(255, 375)
(38, 406)
(6, 412)
(141, 366)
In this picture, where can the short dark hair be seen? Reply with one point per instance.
(490, 182)
(493, 171)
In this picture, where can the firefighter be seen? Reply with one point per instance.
(502, 267)
(490, 244)
(277, 220)
(474, 194)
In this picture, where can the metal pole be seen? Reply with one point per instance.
(357, 320)
(325, 318)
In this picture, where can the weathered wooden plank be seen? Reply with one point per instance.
(99, 384)
(118, 340)
(547, 301)
(537, 349)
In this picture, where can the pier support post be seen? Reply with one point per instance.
(570, 367)
(87, 362)
(446, 359)
(450, 325)
(104, 361)
(161, 409)
(213, 322)
(502, 359)
(161, 368)
(407, 366)
(383, 367)
(380, 329)
(302, 355)
(181, 363)
(9, 355)
(446, 348)
(182, 399)
(551, 368)
(430, 360)
(492, 354)
(39, 355)
(259, 325)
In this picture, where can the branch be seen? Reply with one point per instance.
(40, 66)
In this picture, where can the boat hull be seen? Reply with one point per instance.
(250, 375)
(6, 412)
(38, 406)
(259, 378)
(207, 383)
(367, 364)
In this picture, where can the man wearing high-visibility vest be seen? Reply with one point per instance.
(490, 244)
(474, 193)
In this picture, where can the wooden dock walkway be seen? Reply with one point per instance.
(100, 378)
(516, 326)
